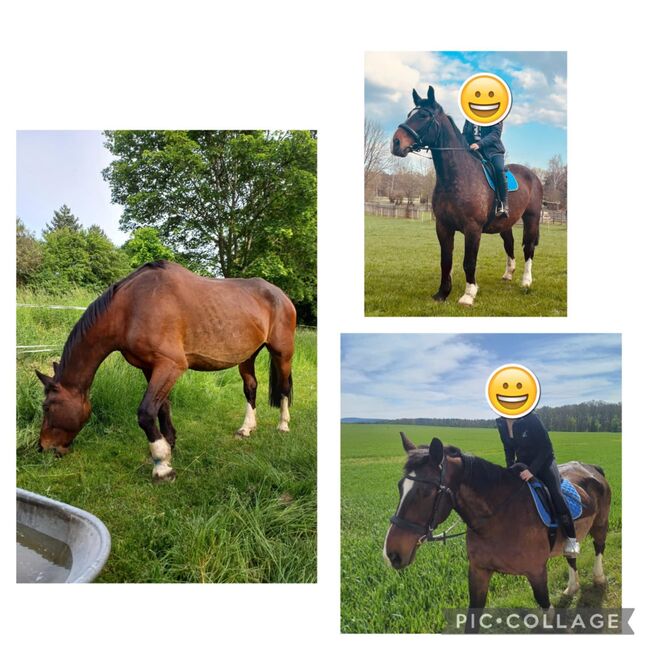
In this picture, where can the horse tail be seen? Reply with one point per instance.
(275, 385)
(599, 469)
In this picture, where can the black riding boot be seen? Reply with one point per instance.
(502, 186)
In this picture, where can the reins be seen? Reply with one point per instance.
(426, 532)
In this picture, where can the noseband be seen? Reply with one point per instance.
(426, 532)
(418, 144)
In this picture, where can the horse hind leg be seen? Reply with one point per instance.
(247, 372)
(599, 533)
(281, 385)
(530, 240)
(574, 582)
(509, 247)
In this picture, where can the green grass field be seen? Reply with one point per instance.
(378, 599)
(402, 273)
(239, 510)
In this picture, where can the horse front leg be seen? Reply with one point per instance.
(164, 416)
(472, 242)
(163, 378)
(446, 239)
(539, 583)
(479, 582)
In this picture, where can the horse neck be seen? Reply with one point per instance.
(475, 504)
(86, 354)
(454, 159)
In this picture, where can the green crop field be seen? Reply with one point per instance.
(239, 510)
(403, 272)
(377, 599)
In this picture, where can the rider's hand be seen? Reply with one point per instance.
(525, 475)
(473, 146)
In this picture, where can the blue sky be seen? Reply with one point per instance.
(57, 167)
(444, 375)
(534, 131)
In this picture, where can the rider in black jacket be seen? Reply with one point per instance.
(525, 440)
(487, 140)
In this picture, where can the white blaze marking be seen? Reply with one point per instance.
(527, 278)
(250, 421)
(406, 488)
(161, 453)
(470, 293)
(284, 415)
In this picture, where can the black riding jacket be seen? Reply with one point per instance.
(488, 138)
(529, 444)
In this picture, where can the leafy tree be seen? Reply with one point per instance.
(145, 246)
(28, 254)
(230, 203)
(63, 218)
(65, 259)
(106, 262)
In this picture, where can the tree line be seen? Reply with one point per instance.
(222, 203)
(593, 416)
(412, 180)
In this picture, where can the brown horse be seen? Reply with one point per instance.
(165, 319)
(504, 532)
(462, 199)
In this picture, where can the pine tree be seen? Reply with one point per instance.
(63, 218)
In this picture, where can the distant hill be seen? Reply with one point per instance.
(586, 416)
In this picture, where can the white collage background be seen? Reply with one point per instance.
(300, 65)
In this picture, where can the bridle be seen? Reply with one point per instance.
(426, 532)
(418, 143)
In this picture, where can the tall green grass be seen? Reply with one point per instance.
(402, 272)
(239, 510)
(378, 599)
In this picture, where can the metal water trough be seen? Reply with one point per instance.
(87, 538)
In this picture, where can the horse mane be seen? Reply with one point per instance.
(478, 473)
(95, 310)
(457, 131)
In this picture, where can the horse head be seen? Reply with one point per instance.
(65, 411)
(431, 475)
(420, 129)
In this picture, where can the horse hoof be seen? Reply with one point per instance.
(283, 428)
(439, 297)
(600, 580)
(571, 591)
(525, 284)
(243, 433)
(466, 300)
(167, 477)
(507, 277)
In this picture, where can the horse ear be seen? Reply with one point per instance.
(45, 380)
(55, 365)
(436, 451)
(406, 443)
(431, 96)
(416, 98)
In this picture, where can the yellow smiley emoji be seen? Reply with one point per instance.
(512, 391)
(485, 99)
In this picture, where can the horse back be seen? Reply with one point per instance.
(591, 484)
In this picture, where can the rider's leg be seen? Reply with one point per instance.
(498, 161)
(550, 476)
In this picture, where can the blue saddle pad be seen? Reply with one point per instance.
(571, 496)
(512, 181)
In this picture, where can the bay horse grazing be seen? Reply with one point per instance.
(504, 532)
(462, 199)
(165, 319)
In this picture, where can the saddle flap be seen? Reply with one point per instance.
(513, 184)
(542, 501)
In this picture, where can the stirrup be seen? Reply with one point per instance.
(571, 547)
(502, 209)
